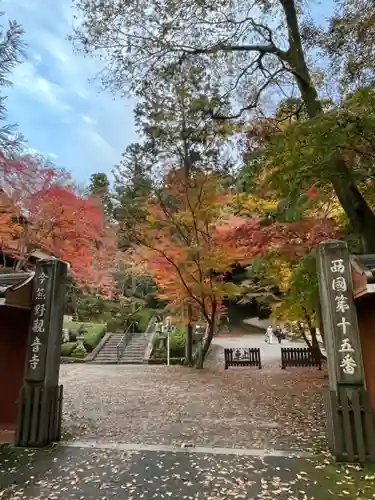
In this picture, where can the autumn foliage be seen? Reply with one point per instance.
(55, 220)
(189, 242)
(177, 243)
(292, 240)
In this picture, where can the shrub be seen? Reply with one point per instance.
(163, 361)
(93, 334)
(115, 325)
(177, 343)
(68, 348)
(143, 318)
(65, 360)
(77, 353)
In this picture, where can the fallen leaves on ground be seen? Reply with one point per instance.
(237, 408)
(66, 473)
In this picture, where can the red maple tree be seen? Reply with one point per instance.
(46, 214)
(291, 239)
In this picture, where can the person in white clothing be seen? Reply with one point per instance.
(269, 334)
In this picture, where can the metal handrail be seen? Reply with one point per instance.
(125, 339)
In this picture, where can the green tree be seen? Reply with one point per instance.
(99, 186)
(177, 136)
(301, 302)
(132, 186)
(253, 53)
(12, 52)
(350, 43)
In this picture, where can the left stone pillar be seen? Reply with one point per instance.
(40, 401)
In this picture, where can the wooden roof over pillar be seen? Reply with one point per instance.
(16, 289)
(363, 274)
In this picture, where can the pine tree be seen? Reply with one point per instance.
(99, 186)
(11, 53)
(132, 186)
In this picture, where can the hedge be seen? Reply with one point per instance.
(68, 348)
(143, 318)
(177, 340)
(68, 359)
(94, 332)
(163, 361)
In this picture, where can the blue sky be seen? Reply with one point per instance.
(60, 112)
(63, 114)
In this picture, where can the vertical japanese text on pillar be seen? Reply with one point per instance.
(38, 320)
(341, 306)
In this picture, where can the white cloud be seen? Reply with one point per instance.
(55, 100)
(89, 120)
(26, 77)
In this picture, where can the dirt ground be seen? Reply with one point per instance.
(237, 408)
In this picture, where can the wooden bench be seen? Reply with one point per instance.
(242, 356)
(299, 356)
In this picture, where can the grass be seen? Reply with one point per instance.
(349, 481)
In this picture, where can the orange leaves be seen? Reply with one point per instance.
(292, 239)
(57, 221)
(178, 242)
(189, 242)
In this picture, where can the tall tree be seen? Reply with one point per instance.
(178, 242)
(11, 53)
(99, 187)
(132, 187)
(350, 41)
(255, 51)
(177, 135)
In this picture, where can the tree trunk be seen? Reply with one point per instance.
(302, 332)
(189, 339)
(320, 322)
(356, 208)
(206, 345)
(314, 345)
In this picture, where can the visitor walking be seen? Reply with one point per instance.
(279, 334)
(269, 335)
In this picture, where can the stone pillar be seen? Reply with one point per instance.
(40, 401)
(339, 316)
(350, 424)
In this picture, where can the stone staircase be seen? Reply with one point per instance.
(135, 351)
(133, 354)
(108, 353)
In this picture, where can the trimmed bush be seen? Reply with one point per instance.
(66, 360)
(77, 353)
(93, 335)
(68, 348)
(143, 318)
(177, 343)
(115, 326)
(163, 361)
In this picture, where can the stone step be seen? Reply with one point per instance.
(133, 352)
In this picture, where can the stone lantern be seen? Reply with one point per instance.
(80, 339)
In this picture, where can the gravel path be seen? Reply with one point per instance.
(237, 408)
